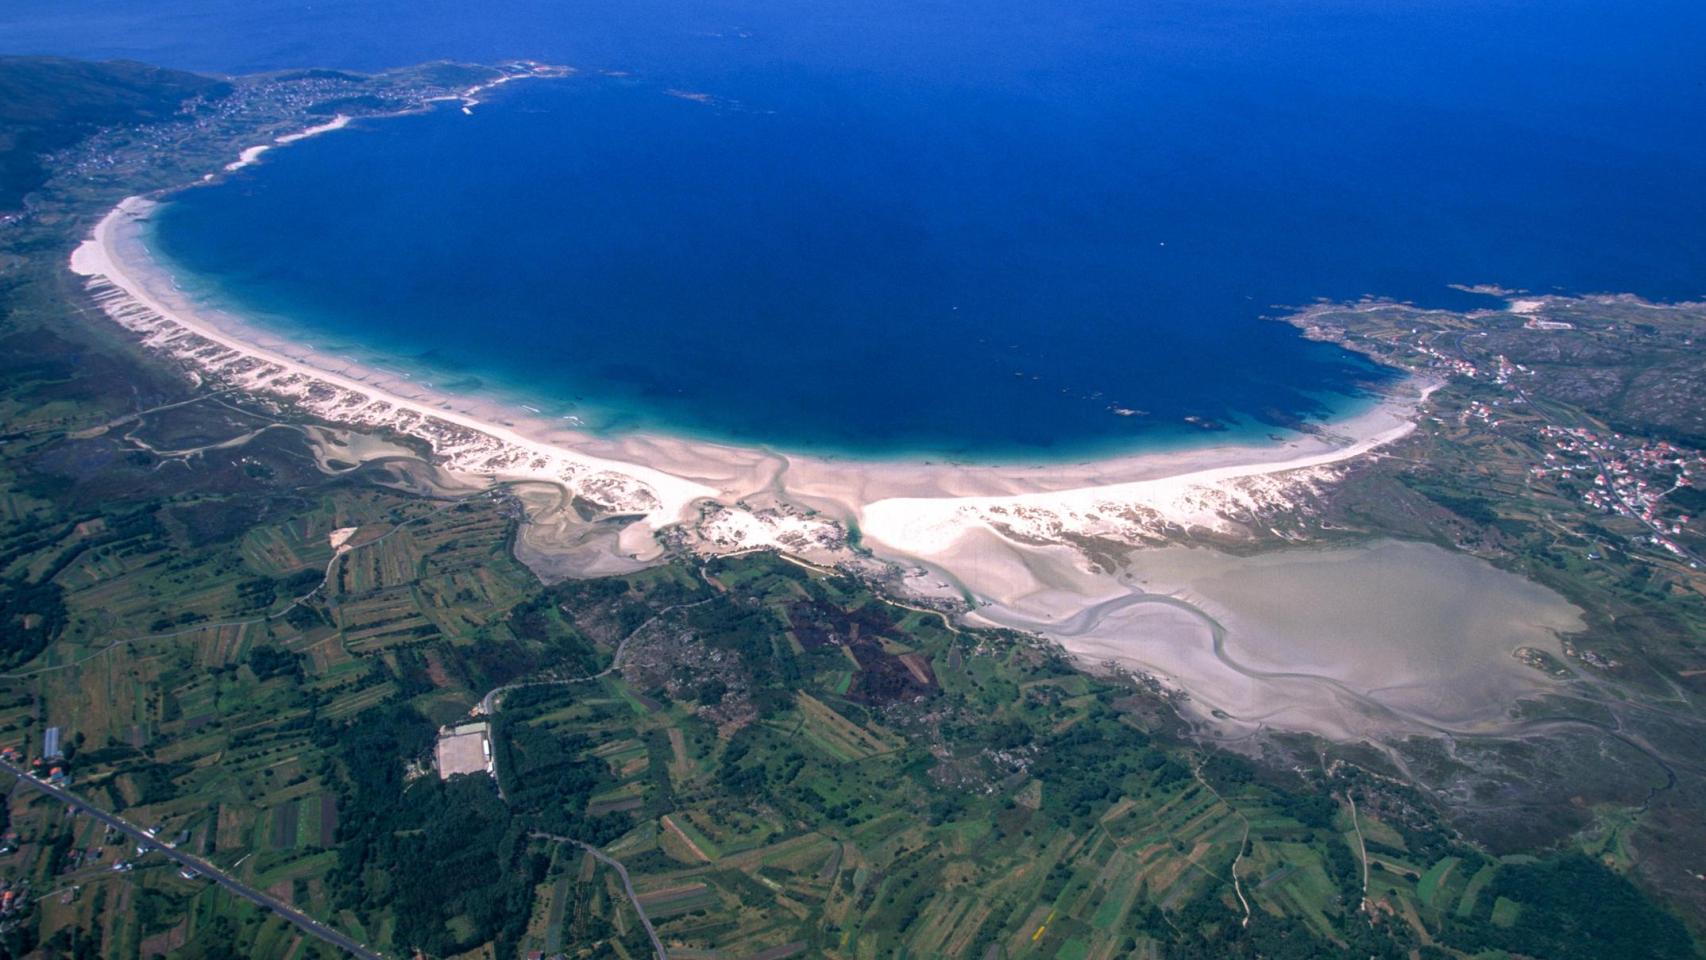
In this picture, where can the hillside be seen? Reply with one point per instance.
(336, 685)
(47, 104)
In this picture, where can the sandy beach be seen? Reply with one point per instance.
(252, 155)
(1009, 541)
(143, 299)
(916, 509)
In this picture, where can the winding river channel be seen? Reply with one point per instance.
(1378, 638)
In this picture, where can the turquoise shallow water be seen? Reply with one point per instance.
(972, 230)
(608, 251)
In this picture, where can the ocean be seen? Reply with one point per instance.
(983, 231)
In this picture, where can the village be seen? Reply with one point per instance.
(1630, 477)
(1647, 479)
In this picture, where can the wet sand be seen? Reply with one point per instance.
(914, 507)
(1356, 642)
(1275, 641)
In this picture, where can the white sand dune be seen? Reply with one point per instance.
(910, 508)
(147, 304)
(1009, 537)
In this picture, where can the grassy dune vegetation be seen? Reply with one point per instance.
(784, 763)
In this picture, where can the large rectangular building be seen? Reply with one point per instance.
(465, 748)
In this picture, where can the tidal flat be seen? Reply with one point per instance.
(1386, 637)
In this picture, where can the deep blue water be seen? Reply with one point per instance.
(965, 229)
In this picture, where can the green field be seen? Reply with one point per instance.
(1428, 887)
(786, 763)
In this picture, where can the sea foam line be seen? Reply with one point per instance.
(466, 445)
(916, 510)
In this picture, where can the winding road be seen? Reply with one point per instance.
(493, 699)
(331, 567)
(489, 703)
(1362, 849)
(1243, 842)
(627, 885)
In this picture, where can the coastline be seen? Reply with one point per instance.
(1034, 546)
(148, 306)
(251, 155)
(912, 508)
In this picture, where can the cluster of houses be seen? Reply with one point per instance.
(1440, 360)
(121, 147)
(1590, 657)
(1504, 370)
(1629, 477)
(1483, 412)
(13, 898)
(48, 767)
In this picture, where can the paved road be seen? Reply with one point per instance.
(1362, 848)
(493, 699)
(305, 923)
(1237, 886)
(1598, 462)
(627, 884)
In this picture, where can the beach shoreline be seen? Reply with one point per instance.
(965, 538)
(1044, 548)
(888, 499)
(252, 155)
(683, 469)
